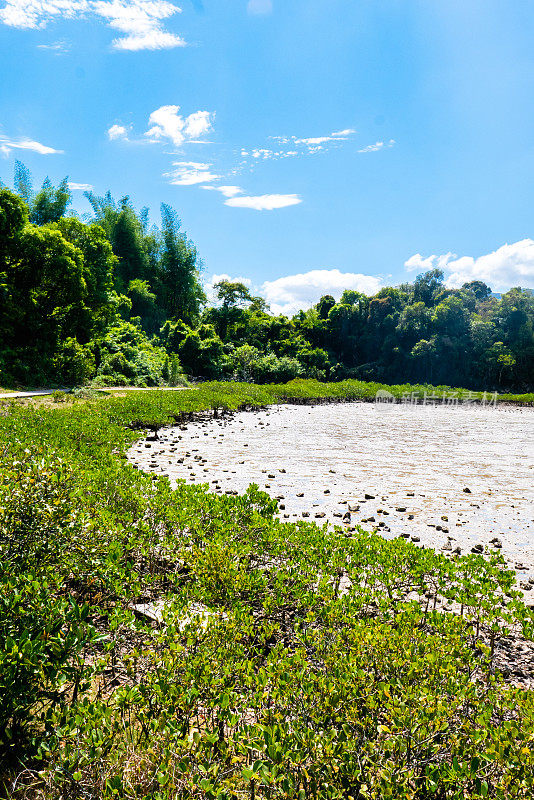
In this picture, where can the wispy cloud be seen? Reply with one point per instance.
(260, 7)
(57, 48)
(80, 187)
(264, 202)
(140, 22)
(7, 144)
(227, 191)
(190, 173)
(291, 146)
(509, 265)
(373, 148)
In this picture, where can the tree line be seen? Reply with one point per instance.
(112, 299)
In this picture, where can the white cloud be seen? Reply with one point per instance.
(227, 191)
(293, 146)
(295, 292)
(151, 40)
(198, 124)
(117, 132)
(373, 148)
(191, 173)
(313, 141)
(260, 6)
(510, 265)
(264, 202)
(344, 134)
(140, 20)
(79, 187)
(36, 13)
(26, 144)
(58, 48)
(167, 123)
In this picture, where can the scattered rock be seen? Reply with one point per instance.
(400, 508)
(415, 539)
(478, 548)
(467, 490)
(369, 496)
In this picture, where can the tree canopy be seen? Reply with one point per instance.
(113, 298)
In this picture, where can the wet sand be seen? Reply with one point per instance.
(445, 477)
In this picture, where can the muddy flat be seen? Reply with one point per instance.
(445, 477)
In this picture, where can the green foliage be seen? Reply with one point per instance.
(117, 266)
(49, 204)
(249, 364)
(43, 633)
(266, 678)
(127, 356)
(181, 293)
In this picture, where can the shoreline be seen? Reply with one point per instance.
(460, 517)
(186, 453)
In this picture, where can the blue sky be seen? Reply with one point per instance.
(307, 145)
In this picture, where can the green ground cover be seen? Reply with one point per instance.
(290, 663)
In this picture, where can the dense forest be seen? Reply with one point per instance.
(112, 299)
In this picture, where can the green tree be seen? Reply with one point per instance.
(500, 361)
(49, 204)
(232, 297)
(181, 292)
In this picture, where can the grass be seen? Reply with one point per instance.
(267, 679)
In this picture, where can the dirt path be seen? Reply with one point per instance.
(46, 392)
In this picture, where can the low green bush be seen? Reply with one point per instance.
(290, 662)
